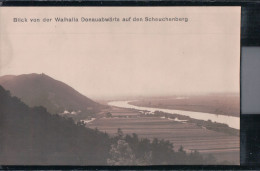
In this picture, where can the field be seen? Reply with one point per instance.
(224, 104)
(192, 137)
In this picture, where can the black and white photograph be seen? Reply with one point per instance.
(120, 86)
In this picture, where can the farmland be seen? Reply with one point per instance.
(224, 104)
(188, 135)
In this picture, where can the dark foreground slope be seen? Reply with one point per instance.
(42, 90)
(32, 136)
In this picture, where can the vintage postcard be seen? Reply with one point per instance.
(120, 85)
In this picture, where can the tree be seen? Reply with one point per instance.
(120, 133)
(195, 158)
(121, 154)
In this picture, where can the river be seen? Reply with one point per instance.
(231, 121)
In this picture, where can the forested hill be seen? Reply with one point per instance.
(42, 90)
(32, 136)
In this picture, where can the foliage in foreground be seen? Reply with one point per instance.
(32, 136)
(131, 150)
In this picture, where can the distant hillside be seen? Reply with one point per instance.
(32, 136)
(42, 90)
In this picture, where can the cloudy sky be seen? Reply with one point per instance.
(126, 58)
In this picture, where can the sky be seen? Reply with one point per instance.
(126, 58)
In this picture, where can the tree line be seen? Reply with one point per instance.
(32, 136)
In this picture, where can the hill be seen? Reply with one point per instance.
(32, 136)
(42, 90)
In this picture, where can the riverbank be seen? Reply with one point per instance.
(180, 133)
(218, 127)
(231, 121)
(222, 104)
